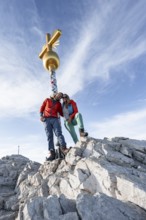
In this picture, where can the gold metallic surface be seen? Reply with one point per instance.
(51, 60)
(48, 37)
(49, 57)
(54, 37)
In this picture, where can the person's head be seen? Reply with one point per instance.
(58, 96)
(65, 98)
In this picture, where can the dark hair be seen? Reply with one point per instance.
(65, 96)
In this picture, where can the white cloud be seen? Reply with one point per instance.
(23, 86)
(105, 43)
(131, 124)
(72, 78)
(32, 146)
(105, 40)
(22, 95)
(107, 37)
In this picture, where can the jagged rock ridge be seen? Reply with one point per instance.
(99, 179)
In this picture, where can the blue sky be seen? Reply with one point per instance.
(102, 67)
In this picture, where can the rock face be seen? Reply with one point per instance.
(12, 169)
(99, 179)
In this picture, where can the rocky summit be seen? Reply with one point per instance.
(99, 179)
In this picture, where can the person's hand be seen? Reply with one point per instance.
(42, 118)
(69, 120)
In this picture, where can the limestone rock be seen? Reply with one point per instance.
(11, 168)
(101, 206)
(67, 205)
(98, 179)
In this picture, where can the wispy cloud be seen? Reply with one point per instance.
(131, 124)
(20, 90)
(113, 37)
(32, 146)
(22, 83)
(112, 34)
(104, 38)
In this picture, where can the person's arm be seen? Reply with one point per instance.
(60, 109)
(42, 108)
(75, 109)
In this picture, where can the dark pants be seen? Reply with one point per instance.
(53, 124)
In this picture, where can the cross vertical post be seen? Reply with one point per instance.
(50, 58)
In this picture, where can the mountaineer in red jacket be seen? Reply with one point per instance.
(72, 117)
(49, 112)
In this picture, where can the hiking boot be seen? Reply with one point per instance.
(52, 155)
(83, 133)
(64, 150)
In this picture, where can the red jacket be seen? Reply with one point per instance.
(75, 109)
(51, 108)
